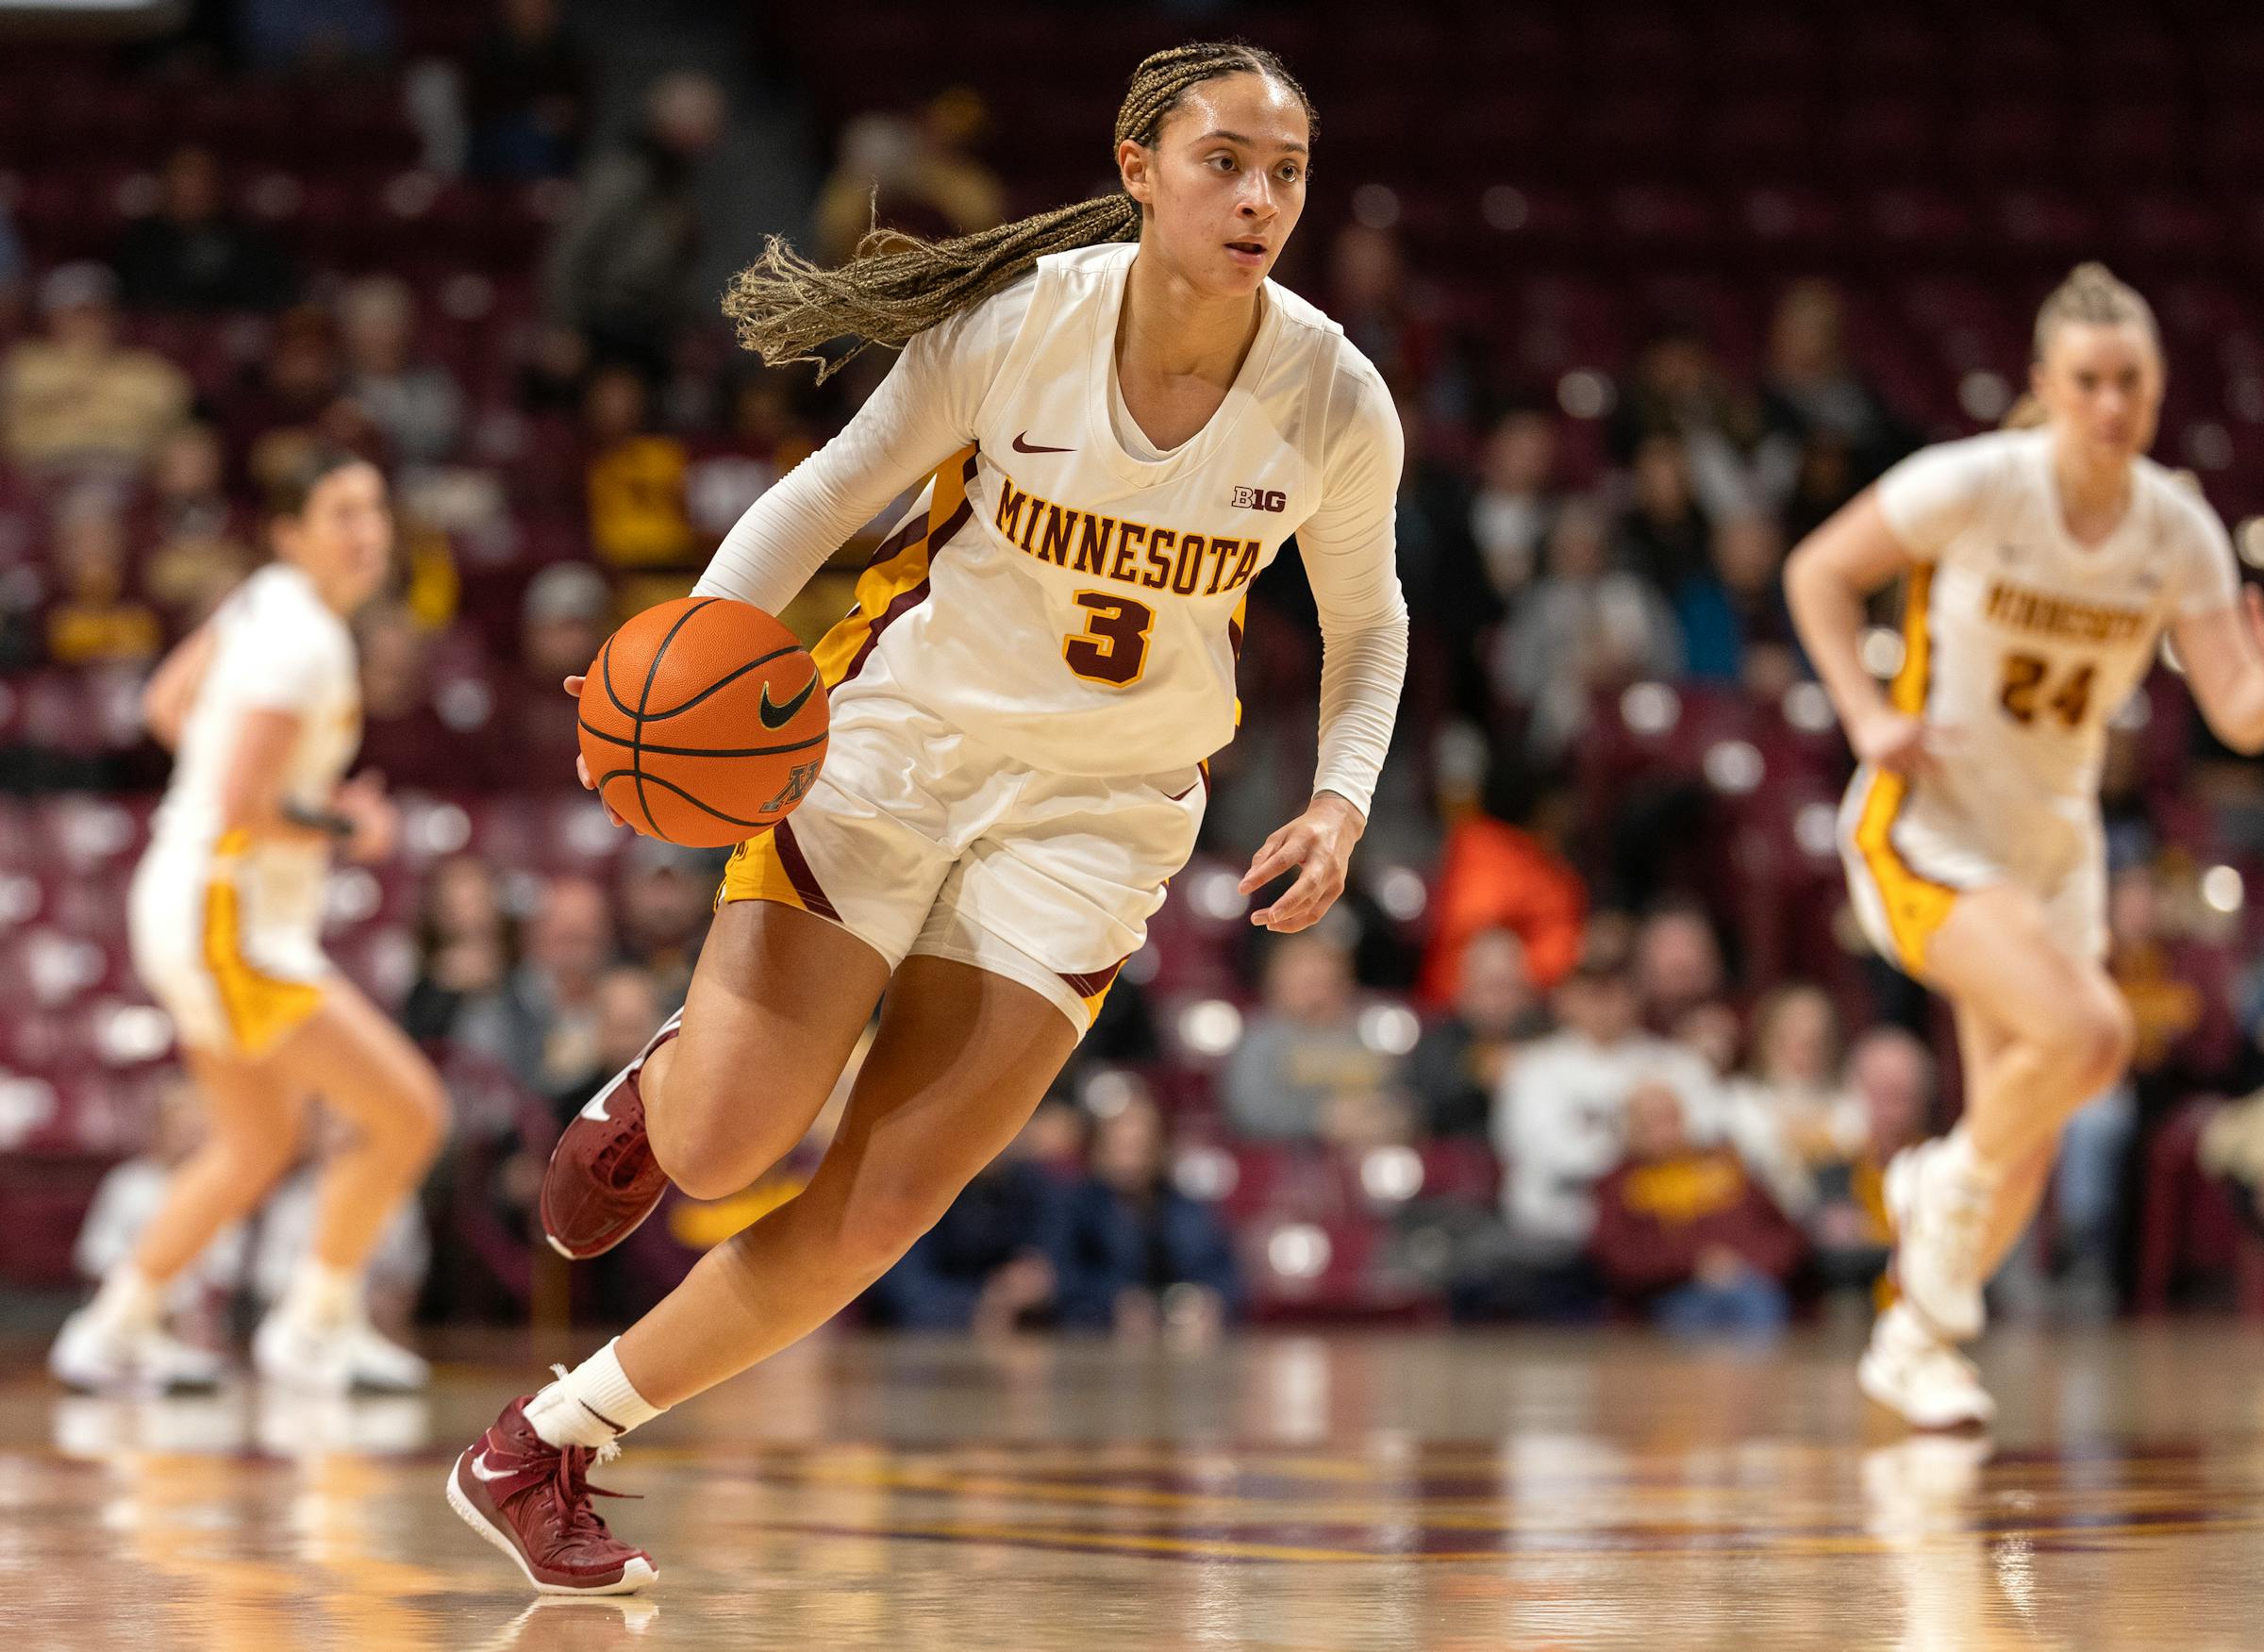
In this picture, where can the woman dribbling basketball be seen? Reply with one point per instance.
(1120, 420)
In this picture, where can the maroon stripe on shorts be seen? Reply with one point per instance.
(798, 872)
(1086, 986)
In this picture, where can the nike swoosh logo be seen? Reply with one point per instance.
(480, 1470)
(1022, 445)
(595, 1107)
(779, 716)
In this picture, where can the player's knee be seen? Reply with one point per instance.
(421, 1123)
(711, 1156)
(2114, 1038)
(711, 1152)
(708, 1175)
(2095, 1037)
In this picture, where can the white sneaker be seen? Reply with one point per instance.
(381, 1366)
(343, 1359)
(94, 1353)
(289, 1352)
(1926, 1382)
(1940, 1226)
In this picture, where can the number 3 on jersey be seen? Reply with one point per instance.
(2025, 685)
(1113, 646)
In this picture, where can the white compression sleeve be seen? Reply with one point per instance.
(1349, 551)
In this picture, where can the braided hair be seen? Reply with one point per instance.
(784, 307)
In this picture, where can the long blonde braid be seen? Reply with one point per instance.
(785, 307)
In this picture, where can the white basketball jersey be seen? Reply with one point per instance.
(1067, 602)
(2021, 640)
(275, 646)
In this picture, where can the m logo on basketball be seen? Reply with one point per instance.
(796, 784)
(1271, 499)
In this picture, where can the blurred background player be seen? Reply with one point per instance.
(2040, 566)
(264, 708)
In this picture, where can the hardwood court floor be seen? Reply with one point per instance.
(1377, 1490)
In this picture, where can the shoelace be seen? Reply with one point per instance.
(571, 1490)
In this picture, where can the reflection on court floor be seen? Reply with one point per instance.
(1379, 1491)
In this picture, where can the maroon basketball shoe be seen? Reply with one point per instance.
(603, 1180)
(531, 1500)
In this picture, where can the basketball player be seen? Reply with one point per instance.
(1120, 419)
(2040, 566)
(265, 709)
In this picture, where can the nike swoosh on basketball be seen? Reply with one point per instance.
(1022, 444)
(480, 1470)
(779, 716)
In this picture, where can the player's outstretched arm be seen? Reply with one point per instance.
(2222, 652)
(1828, 577)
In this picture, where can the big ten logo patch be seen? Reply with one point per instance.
(1271, 499)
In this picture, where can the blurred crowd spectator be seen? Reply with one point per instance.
(619, 274)
(528, 95)
(78, 400)
(193, 253)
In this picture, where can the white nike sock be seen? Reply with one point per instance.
(127, 1297)
(592, 1405)
(322, 1297)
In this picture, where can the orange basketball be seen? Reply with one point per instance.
(703, 721)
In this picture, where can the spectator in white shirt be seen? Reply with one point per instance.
(1559, 1119)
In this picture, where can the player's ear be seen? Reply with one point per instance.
(1133, 164)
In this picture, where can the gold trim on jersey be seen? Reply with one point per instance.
(896, 577)
(1234, 628)
(1916, 906)
(261, 1009)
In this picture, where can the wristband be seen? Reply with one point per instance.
(320, 819)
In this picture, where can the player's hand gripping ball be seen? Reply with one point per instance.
(703, 721)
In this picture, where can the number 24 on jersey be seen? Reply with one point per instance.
(2026, 692)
